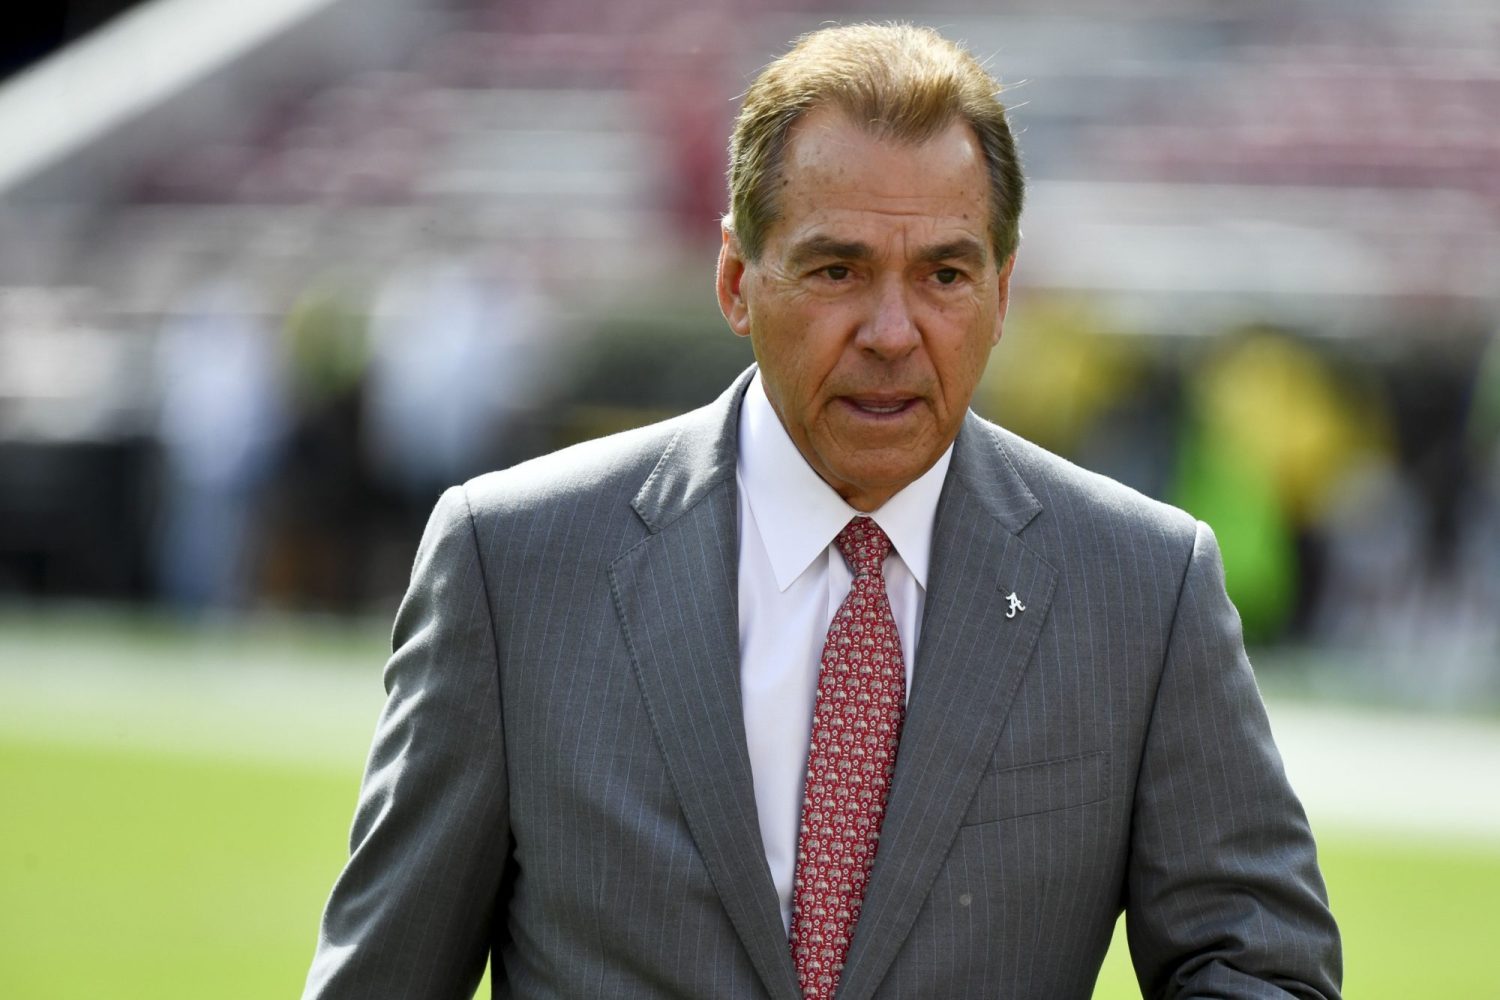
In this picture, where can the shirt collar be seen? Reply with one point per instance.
(799, 514)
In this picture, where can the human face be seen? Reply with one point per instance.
(875, 301)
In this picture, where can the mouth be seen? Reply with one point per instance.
(879, 406)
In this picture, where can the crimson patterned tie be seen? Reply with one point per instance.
(856, 727)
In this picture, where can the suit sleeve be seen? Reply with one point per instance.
(411, 915)
(1224, 897)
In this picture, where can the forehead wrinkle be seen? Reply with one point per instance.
(836, 196)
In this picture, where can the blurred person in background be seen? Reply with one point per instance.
(319, 557)
(459, 345)
(223, 425)
(1481, 554)
(829, 687)
(1270, 435)
(1412, 587)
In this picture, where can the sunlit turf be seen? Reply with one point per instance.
(146, 874)
(174, 808)
(1421, 920)
(141, 874)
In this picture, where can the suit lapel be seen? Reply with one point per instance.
(970, 661)
(676, 594)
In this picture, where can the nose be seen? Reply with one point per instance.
(890, 328)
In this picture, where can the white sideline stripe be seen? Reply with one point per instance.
(1359, 770)
(124, 68)
(1401, 774)
(314, 718)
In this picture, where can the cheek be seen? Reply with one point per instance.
(801, 340)
(962, 365)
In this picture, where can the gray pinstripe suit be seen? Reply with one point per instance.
(560, 773)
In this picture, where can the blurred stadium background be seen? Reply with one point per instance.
(272, 274)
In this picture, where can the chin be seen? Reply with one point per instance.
(868, 482)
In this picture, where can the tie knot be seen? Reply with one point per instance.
(864, 545)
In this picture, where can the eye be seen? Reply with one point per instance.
(836, 272)
(947, 275)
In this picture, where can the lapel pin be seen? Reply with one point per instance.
(1015, 605)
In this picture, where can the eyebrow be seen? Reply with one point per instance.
(820, 247)
(964, 250)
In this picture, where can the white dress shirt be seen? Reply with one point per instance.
(792, 580)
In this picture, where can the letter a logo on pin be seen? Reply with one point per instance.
(1015, 605)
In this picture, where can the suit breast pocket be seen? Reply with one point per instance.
(1039, 787)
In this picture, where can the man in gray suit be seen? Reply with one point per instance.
(618, 757)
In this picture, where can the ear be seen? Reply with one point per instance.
(730, 276)
(1003, 290)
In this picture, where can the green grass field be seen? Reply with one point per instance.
(171, 826)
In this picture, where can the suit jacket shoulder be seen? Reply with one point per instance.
(1087, 527)
(658, 470)
(1065, 489)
